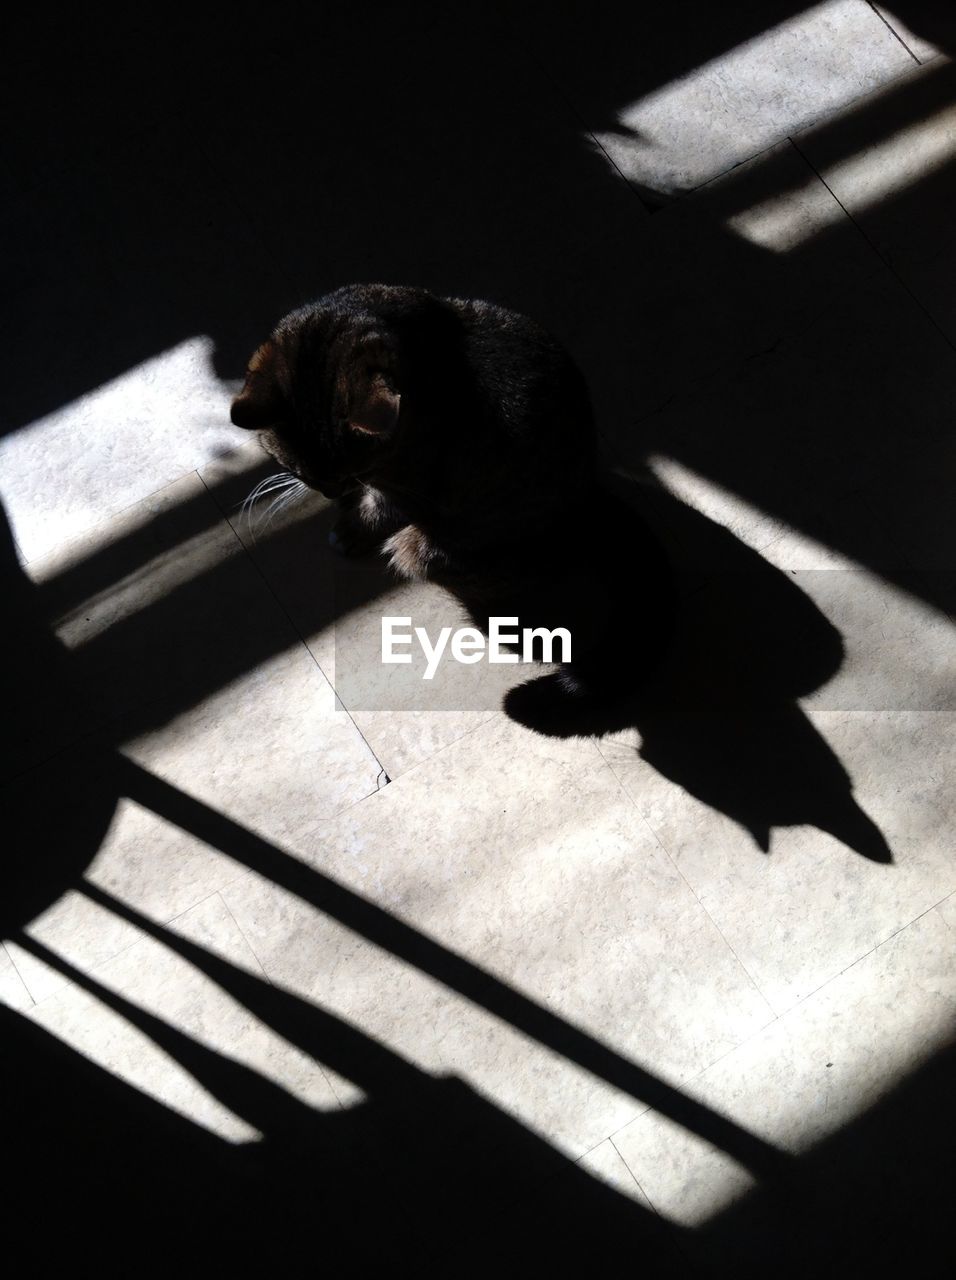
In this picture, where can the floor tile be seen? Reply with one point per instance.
(799, 914)
(947, 909)
(147, 861)
(337, 607)
(750, 525)
(322, 961)
(117, 391)
(165, 616)
(855, 403)
(402, 739)
(116, 454)
(605, 1162)
(750, 97)
(710, 282)
(545, 876)
(920, 45)
(924, 536)
(107, 620)
(181, 652)
(12, 989)
(165, 985)
(405, 717)
(806, 1076)
(899, 651)
(488, 815)
(567, 1105)
(271, 751)
(892, 165)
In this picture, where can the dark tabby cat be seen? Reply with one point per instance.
(458, 437)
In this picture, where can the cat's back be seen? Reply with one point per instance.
(507, 377)
(508, 352)
(524, 370)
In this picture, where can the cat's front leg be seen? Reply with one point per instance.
(411, 554)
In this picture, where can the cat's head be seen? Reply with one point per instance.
(324, 395)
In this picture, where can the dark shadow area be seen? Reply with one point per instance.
(423, 1172)
(203, 174)
(420, 1166)
(374, 141)
(872, 1199)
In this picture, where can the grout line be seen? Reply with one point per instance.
(288, 617)
(519, 46)
(669, 1225)
(700, 188)
(667, 853)
(101, 964)
(689, 1080)
(16, 969)
(634, 1177)
(614, 1148)
(875, 248)
(777, 1014)
(876, 946)
(892, 30)
(922, 574)
(242, 933)
(665, 198)
(268, 979)
(106, 517)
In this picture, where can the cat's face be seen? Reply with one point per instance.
(323, 395)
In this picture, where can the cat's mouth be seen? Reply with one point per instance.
(328, 486)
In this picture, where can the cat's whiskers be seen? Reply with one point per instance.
(275, 475)
(251, 497)
(284, 488)
(279, 482)
(291, 494)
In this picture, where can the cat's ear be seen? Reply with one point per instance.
(372, 399)
(374, 406)
(261, 402)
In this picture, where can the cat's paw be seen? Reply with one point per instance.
(410, 554)
(349, 537)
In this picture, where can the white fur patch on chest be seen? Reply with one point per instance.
(372, 507)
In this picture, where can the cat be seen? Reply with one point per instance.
(458, 438)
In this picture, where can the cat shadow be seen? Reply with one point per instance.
(711, 686)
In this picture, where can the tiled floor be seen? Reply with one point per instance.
(679, 954)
